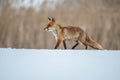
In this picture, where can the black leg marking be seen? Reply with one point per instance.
(64, 44)
(75, 45)
(86, 46)
(57, 44)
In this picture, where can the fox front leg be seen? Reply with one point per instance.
(64, 44)
(57, 44)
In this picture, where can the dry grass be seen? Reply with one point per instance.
(24, 28)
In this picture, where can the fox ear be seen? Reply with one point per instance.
(50, 19)
(53, 20)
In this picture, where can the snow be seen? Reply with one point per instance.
(43, 64)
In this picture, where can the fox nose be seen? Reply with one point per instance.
(45, 29)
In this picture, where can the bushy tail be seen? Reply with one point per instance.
(93, 43)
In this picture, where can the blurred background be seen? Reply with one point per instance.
(22, 22)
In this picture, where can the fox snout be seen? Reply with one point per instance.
(45, 28)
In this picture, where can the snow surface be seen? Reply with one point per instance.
(31, 64)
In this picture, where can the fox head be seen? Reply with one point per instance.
(52, 25)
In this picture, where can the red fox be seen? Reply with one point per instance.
(70, 33)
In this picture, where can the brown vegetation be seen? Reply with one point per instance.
(23, 28)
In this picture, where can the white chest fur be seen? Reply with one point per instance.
(54, 32)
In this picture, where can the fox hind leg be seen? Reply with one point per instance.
(77, 43)
(86, 46)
